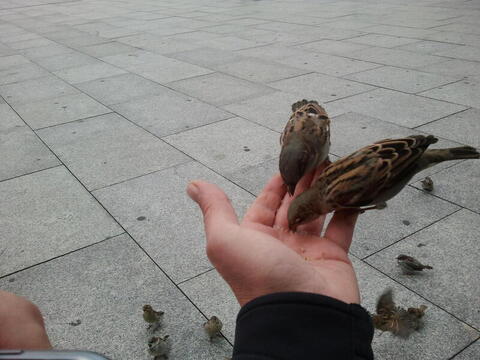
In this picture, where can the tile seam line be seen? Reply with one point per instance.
(124, 229)
(62, 255)
(71, 121)
(195, 276)
(466, 347)
(424, 298)
(30, 173)
(364, 258)
(443, 117)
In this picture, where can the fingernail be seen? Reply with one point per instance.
(192, 190)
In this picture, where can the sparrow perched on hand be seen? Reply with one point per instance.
(427, 184)
(410, 265)
(305, 142)
(397, 320)
(370, 176)
(151, 316)
(213, 327)
(159, 346)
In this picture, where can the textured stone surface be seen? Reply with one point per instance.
(59, 110)
(43, 215)
(114, 279)
(408, 212)
(22, 151)
(449, 284)
(228, 145)
(442, 336)
(463, 92)
(396, 107)
(170, 113)
(157, 212)
(107, 149)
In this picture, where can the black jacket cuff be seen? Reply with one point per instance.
(302, 326)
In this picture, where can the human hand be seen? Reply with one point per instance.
(260, 256)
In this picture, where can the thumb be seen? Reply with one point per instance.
(215, 205)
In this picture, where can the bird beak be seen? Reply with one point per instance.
(291, 189)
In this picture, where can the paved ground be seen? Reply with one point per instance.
(108, 108)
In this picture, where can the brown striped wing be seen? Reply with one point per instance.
(357, 179)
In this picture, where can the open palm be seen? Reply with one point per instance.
(260, 256)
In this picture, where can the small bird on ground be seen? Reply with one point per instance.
(152, 317)
(410, 265)
(370, 176)
(305, 142)
(213, 327)
(427, 184)
(397, 320)
(159, 346)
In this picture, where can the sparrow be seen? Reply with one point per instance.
(395, 319)
(427, 184)
(213, 327)
(410, 265)
(370, 176)
(159, 346)
(305, 142)
(151, 316)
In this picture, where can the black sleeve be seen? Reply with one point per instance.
(302, 326)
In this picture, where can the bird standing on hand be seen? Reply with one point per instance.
(410, 265)
(370, 176)
(152, 317)
(305, 142)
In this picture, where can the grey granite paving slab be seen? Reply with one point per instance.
(377, 229)
(10, 61)
(406, 80)
(396, 107)
(115, 279)
(272, 110)
(170, 113)
(32, 43)
(454, 37)
(223, 304)
(59, 110)
(159, 45)
(471, 352)
(331, 47)
(273, 51)
(442, 336)
(106, 49)
(428, 47)
(253, 178)
(65, 61)
(463, 127)
(158, 213)
(260, 70)
(36, 89)
(219, 89)
(403, 31)
(459, 184)
(207, 57)
(22, 152)
(454, 68)
(231, 43)
(450, 284)
(156, 67)
(466, 52)
(462, 92)
(320, 87)
(75, 75)
(395, 57)
(120, 88)
(328, 64)
(43, 215)
(46, 51)
(84, 40)
(228, 145)
(21, 73)
(107, 149)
